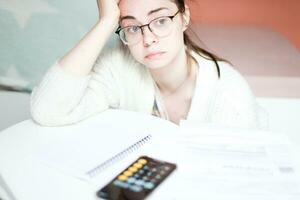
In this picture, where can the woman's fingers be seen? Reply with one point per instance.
(108, 9)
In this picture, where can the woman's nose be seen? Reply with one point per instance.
(148, 37)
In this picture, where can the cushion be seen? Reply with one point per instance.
(14, 108)
(35, 33)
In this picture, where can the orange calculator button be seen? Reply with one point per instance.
(122, 177)
(138, 165)
(133, 169)
(127, 173)
(142, 161)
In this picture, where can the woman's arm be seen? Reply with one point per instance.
(80, 59)
(68, 92)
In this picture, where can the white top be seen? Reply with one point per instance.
(118, 81)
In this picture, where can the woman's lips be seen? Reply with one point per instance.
(154, 55)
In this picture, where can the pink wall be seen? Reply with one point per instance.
(280, 15)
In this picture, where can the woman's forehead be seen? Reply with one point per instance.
(145, 8)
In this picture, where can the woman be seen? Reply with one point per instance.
(157, 70)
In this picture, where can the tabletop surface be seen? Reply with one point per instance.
(24, 178)
(27, 179)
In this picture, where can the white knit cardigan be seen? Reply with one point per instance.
(118, 81)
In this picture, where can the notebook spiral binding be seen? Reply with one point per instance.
(93, 172)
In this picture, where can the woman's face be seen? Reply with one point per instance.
(153, 51)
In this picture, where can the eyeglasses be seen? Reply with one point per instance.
(161, 27)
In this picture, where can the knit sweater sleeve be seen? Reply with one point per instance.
(62, 98)
(235, 104)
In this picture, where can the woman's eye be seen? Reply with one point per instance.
(132, 29)
(161, 21)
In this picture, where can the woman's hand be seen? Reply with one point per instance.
(109, 10)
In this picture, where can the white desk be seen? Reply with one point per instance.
(30, 180)
(27, 179)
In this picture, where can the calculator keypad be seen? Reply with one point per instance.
(141, 177)
(141, 174)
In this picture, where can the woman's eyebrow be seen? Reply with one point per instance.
(149, 13)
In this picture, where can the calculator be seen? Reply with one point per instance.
(138, 180)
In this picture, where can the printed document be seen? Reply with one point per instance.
(234, 164)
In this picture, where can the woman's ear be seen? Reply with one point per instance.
(186, 18)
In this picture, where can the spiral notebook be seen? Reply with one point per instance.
(86, 155)
(97, 169)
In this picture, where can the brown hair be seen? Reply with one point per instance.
(195, 47)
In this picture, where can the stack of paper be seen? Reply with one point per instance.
(218, 163)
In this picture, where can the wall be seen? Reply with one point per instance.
(34, 34)
(280, 15)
